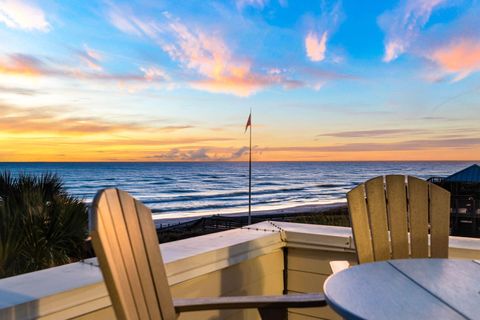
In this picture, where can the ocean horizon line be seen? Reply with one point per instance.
(244, 161)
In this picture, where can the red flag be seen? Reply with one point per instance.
(249, 122)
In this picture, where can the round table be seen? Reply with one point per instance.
(407, 289)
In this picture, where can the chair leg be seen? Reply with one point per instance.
(273, 313)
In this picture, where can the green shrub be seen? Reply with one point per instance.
(41, 225)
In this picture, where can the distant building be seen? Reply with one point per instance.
(464, 187)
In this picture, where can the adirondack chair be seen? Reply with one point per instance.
(126, 244)
(393, 216)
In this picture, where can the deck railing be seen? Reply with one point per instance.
(264, 258)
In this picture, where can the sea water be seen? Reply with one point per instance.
(182, 189)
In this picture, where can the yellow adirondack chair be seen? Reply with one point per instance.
(397, 217)
(126, 244)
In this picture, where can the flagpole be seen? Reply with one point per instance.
(250, 176)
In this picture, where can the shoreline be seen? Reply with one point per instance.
(299, 209)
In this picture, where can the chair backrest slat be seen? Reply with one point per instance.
(397, 215)
(157, 267)
(360, 224)
(140, 254)
(409, 208)
(418, 208)
(126, 250)
(377, 211)
(125, 241)
(108, 253)
(439, 221)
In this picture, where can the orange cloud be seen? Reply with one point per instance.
(316, 46)
(460, 57)
(211, 57)
(20, 64)
(203, 52)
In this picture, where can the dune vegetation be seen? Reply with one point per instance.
(41, 225)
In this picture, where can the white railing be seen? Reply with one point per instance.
(241, 261)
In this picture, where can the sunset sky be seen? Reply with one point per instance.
(155, 80)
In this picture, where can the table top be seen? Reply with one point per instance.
(407, 289)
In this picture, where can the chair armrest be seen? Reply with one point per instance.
(339, 265)
(250, 302)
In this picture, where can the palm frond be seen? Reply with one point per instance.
(41, 225)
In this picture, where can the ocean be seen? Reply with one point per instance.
(174, 190)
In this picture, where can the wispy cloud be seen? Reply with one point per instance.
(52, 120)
(407, 145)
(23, 65)
(315, 77)
(19, 91)
(124, 19)
(160, 142)
(23, 14)
(91, 58)
(317, 73)
(260, 4)
(402, 25)
(175, 128)
(154, 73)
(372, 133)
(59, 127)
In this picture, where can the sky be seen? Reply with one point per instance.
(156, 80)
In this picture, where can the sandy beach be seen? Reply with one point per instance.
(302, 209)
